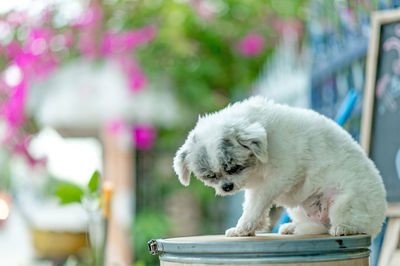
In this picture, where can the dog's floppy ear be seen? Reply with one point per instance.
(180, 166)
(254, 138)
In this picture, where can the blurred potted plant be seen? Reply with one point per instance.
(62, 243)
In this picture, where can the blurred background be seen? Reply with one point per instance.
(97, 95)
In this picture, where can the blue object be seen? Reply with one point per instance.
(377, 245)
(346, 108)
(355, 49)
(284, 218)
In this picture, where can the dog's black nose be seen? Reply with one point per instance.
(227, 187)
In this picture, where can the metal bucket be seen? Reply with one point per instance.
(263, 249)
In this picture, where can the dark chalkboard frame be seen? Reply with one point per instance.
(378, 19)
(392, 230)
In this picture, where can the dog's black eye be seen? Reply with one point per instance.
(236, 169)
(211, 176)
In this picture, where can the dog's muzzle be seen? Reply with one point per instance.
(227, 187)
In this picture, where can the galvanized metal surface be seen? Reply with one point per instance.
(257, 250)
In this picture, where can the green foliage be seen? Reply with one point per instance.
(140, 263)
(148, 225)
(82, 260)
(71, 261)
(5, 176)
(203, 194)
(93, 184)
(210, 206)
(69, 193)
(197, 54)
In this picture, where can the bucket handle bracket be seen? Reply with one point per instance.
(153, 247)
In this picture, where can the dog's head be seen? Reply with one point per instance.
(222, 154)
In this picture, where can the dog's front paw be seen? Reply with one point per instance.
(340, 230)
(287, 229)
(231, 232)
(235, 232)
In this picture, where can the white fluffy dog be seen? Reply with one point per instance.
(287, 156)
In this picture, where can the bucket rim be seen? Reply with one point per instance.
(263, 248)
(262, 243)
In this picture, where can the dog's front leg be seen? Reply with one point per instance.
(256, 206)
(253, 217)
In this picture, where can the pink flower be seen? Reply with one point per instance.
(288, 26)
(116, 127)
(88, 23)
(204, 9)
(12, 49)
(114, 42)
(46, 16)
(138, 37)
(87, 43)
(68, 38)
(17, 18)
(35, 58)
(39, 40)
(251, 45)
(144, 136)
(90, 18)
(35, 66)
(13, 109)
(137, 80)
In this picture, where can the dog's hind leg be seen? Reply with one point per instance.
(296, 216)
(301, 224)
(310, 228)
(346, 216)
